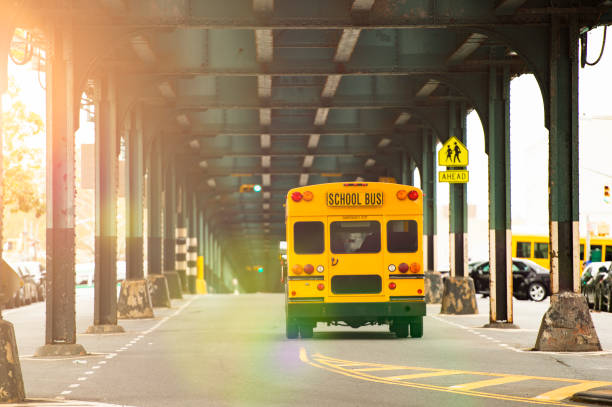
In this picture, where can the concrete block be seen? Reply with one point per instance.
(433, 287)
(567, 326)
(134, 300)
(60, 349)
(11, 380)
(158, 288)
(105, 329)
(459, 297)
(174, 284)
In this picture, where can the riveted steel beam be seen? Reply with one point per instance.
(429, 184)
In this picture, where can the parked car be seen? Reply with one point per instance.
(27, 292)
(529, 279)
(603, 290)
(592, 275)
(37, 273)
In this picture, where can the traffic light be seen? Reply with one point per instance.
(260, 269)
(250, 188)
(606, 194)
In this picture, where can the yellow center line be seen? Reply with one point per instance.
(420, 375)
(567, 391)
(490, 382)
(373, 369)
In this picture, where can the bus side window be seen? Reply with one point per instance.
(581, 252)
(596, 252)
(308, 238)
(540, 251)
(523, 249)
(608, 253)
(402, 236)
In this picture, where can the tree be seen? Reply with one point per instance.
(24, 176)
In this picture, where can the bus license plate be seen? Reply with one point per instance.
(348, 199)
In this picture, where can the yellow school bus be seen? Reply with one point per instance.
(354, 257)
(534, 247)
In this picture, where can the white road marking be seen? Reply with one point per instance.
(81, 379)
(89, 372)
(65, 392)
(74, 385)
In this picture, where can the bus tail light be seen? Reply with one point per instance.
(297, 196)
(307, 196)
(308, 269)
(297, 269)
(320, 287)
(293, 293)
(415, 268)
(401, 194)
(392, 285)
(413, 195)
(419, 291)
(403, 267)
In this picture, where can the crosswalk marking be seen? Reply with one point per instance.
(566, 391)
(490, 382)
(428, 374)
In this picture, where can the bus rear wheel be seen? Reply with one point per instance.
(291, 329)
(416, 328)
(400, 328)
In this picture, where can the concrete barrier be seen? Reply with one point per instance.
(174, 284)
(11, 380)
(433, 287)
(134, 300)
(158, 288)
(459, 297)
(567, 326)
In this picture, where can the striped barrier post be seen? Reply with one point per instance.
(180, 263)
(192, 264)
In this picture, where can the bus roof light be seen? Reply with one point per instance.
(296, 196)
(415, 268)
(413, 195)
(308, 196)
(402, 194)
(352, 184)
(297, 269)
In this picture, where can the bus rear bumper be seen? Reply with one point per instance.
(363, 310)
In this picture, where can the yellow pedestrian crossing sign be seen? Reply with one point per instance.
(453, 154)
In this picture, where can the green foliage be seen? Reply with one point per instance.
(23, 158)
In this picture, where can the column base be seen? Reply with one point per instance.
(105, 329)
(174, 285)
(134, 300)
(201, 286)
(459, 297)
(501, 325)
(183, 277)
(191, 284)
(567, 326)
(60, 349)
(158, 288)
(433, 287)
(11, 380)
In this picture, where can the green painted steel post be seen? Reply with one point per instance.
(563, 158)
(133, 197)
(154, 210)
(458, 199)
(105, 274)
(169, 214)
(500, 233)
(429, 185)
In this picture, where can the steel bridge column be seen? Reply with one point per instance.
(408, 166)
(174, 282)
(429, 186)
(500, 233)
(459, 296)
(201, 281)
(160, 296)
(181, 237)
(567, 325)
(134, 299)
(11, 379)
(60, 335)
(105, 275)
(458, 200)
(192, 242)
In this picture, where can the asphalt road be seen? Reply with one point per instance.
(230, 350)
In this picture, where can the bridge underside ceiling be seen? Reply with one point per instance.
(290, 92)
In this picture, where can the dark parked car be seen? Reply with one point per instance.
(591, 278)
(529, 280)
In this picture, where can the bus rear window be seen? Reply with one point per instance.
(402, 236)
(540, 251)
(308, 237)
(355, 237)
(523, 249)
